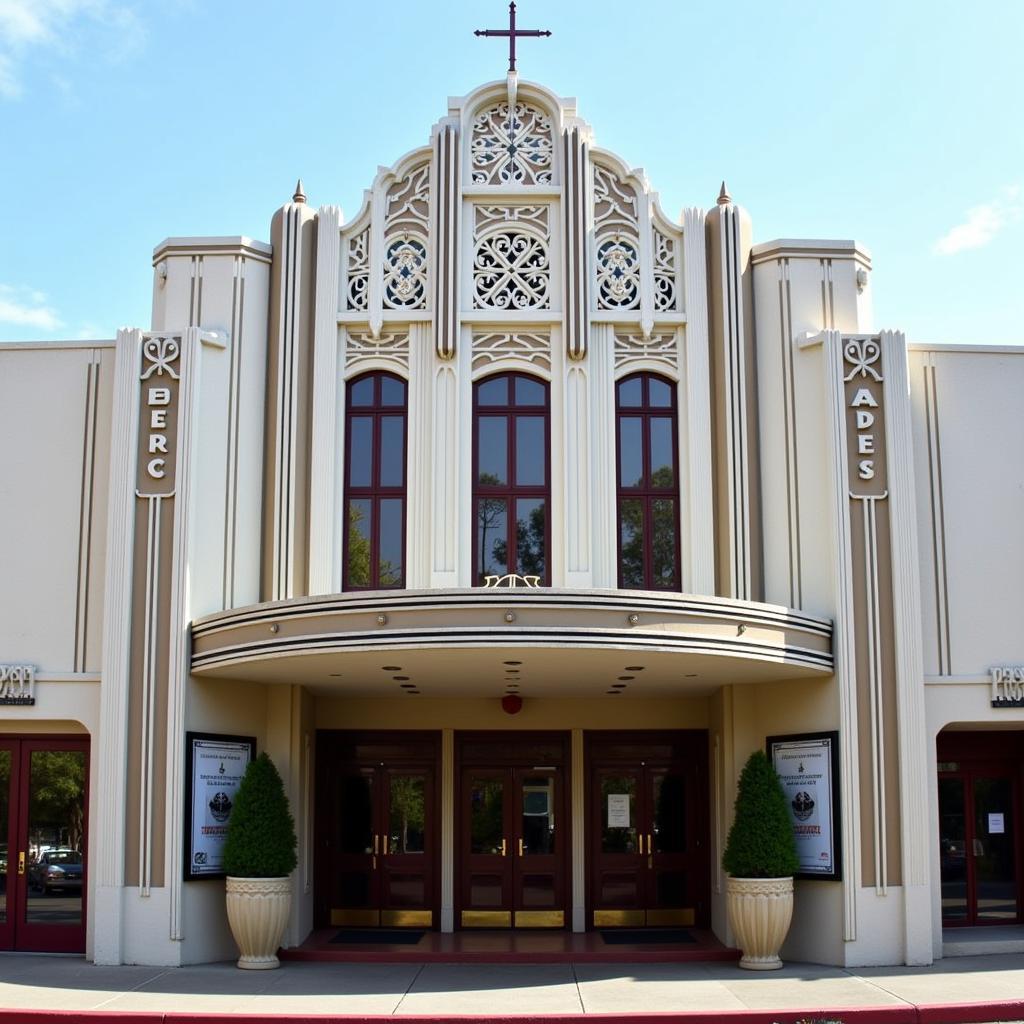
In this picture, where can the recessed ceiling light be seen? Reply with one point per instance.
(407, 686)
(691, 675)
(618, 686)
(613, 693)
(634, 668)
(391, 668)
(626, 678)
(400, 679)
(335, 675)
(511, 663)
(512, 671)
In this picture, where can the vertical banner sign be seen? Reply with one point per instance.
(214, 770)
(158, 412)
(808, 767)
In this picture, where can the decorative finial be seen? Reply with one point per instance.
(300, 194)
(723, 196)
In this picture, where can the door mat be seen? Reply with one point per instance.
(381, 936)
(645, 936)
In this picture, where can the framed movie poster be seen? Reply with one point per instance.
(214, 766)
(808, 766)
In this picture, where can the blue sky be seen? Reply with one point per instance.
(897, 123)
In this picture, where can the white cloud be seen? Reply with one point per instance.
(982, 224)
(27, 307)
(28, 27)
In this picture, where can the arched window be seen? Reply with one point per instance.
(648, 483)
(375, 417)
(511, 477)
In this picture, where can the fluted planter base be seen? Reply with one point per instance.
(760, 912)
(258, 910)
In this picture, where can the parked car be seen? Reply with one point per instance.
(56, 870)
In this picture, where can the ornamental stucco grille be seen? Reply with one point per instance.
(512, 146)
(511, 263)
(406, 229)
(617, 231)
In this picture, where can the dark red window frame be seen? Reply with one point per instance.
(510, 491)
(375, 491)
(646, 493)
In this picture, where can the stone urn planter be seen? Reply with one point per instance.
(259, 857)
(258, 910)
(760, 912)
(760, 856)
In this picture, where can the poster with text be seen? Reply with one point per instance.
(215, 766)
(808, 769)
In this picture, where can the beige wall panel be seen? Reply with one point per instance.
(92, 624)
(969, 507)
(47, 507)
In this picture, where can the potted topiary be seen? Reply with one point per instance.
(259, 856)
(760, 856)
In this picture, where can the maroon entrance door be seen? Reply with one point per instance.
(980, 847)
(377, 832)
(44, 785)
(512, 831)
(648, 827)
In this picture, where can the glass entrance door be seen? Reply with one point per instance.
(512, 836)
(43, 797)
(377, 836)
(648, 849)
(978, 847)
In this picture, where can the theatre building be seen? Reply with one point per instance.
(509, 515)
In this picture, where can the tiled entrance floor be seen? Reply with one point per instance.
(516, 947)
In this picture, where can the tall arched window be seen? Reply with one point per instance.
(375, 415)
(511, 477)
(648, 483)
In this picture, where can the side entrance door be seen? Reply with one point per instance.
(377, 834)
(44, 786)
(981, 834)
(648, 828)
(512, 832)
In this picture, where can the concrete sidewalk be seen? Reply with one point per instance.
(983, 988)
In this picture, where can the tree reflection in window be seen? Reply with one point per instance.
(375, 463)
(648, 483)
(511, 476)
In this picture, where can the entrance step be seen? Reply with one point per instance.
(511, 947)
(983, 941)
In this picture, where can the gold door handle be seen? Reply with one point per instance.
(641, 838)
(21, 863)
(503, 847)
(650, 847)
(376, 843)
(520, 847)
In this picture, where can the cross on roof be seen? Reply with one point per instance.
(512, 33)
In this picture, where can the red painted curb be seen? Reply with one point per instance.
(971, 1013)
(948, 1013)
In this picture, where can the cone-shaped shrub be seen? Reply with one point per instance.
(261, 832)
(760, 843)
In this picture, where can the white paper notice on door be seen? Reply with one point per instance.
(996, 824)
(618, 810)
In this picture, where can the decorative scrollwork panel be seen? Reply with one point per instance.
(357, 265)
(363, 348)
(512, 146)
(660, 349)
(511, 260)
(617, 231)
(666, 291)
(405, 273)
(618, 273)
(495, 346)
